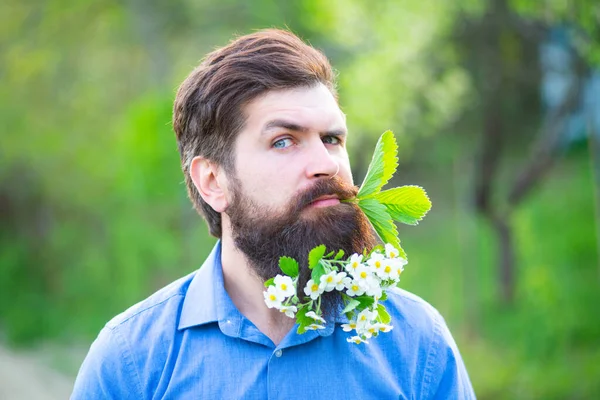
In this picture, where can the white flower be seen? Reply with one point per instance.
(374, 288)
(289, 311)
(354, 262)
(389, 269)
(376, 261)
(391, 251)
(364, 318)
(402, 262)
(349, 326)
(313, 315)
(362, 274)
(341, 281)
(328, 282)
(314, 327)
(383, 327)
(285, 285)
(397, 266)
(356, 340)
(273, 297)
(399, 270)
(369, 331)
(354, 288)
(312, 289)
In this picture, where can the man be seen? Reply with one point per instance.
(263, 149)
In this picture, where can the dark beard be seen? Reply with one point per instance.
(264, 236)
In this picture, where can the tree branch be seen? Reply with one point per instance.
(546, 148)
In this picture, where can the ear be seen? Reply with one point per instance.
(210, 182)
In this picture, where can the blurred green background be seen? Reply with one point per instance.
(495, 104)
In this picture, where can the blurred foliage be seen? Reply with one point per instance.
(94, 214)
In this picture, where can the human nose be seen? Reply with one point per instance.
(321, 163)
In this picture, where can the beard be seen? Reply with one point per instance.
(264, 235)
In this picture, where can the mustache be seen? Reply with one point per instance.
(326, 187)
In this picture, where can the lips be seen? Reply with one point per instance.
(325, 201)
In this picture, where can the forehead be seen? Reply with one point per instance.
(312, 107)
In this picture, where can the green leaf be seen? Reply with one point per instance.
(382, 166)
(270, 282)
(288, 266)
(382, 315)
(377, 249)
(406, 204)
(352, 304)
(382, 222)
(383, 296)
(317, 272)
(365, 301)
(339, 255)
(315, 256)
(302, 320)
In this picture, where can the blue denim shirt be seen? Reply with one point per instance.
(188, 341)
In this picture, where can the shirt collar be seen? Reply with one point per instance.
(206, 301)
(200, 303)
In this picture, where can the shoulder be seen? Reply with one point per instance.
(421, 326)
(413, 312)
(165, 303)
(115, 366)
(152, 323)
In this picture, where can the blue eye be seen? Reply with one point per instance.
(330, 139)
(282, 143)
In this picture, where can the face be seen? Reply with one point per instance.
(291, 174)
(291, 139)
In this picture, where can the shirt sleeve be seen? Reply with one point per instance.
(108, 370)
(445, 373)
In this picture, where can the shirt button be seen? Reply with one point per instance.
(278, 353)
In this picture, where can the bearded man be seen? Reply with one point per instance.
(263, 150)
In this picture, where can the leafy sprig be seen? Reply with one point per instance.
(405, 204)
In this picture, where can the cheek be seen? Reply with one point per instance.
(268, 187)
(345, 171)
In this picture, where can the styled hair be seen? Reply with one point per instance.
(209, 106)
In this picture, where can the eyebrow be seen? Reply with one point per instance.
(291, 126)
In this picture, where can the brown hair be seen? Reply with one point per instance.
(208, 109)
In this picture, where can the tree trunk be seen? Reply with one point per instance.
(594, 151)
(506, 258)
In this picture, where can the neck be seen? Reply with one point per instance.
(246, 291)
